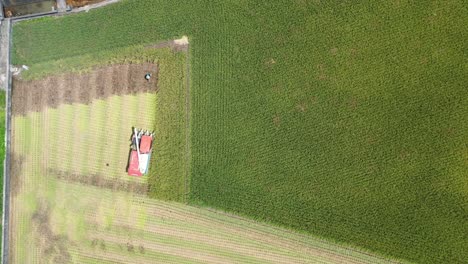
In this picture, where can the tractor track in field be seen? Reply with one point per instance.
(188, 151)
(71, 88)
(100, 181)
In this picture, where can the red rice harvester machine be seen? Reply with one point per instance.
(140, 154)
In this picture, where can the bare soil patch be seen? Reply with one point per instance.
(72, 88)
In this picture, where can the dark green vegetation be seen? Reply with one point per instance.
(339, 119)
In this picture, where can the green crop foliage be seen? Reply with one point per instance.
(168, 173)
(342, 119)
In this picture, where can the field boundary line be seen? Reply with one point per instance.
(322, 240)
(6, 161)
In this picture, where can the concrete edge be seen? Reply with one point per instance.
(31, 16)
(1, 11)
(6, 162)
(68, 10)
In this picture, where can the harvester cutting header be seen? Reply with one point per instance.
(140, 154)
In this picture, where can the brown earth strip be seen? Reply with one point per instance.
(100, 181)
(72, 88)
(50, 87)
(119, 79)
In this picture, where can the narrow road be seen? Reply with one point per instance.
(4, 40)
(86, 8)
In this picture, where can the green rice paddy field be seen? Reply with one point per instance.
(340, 119)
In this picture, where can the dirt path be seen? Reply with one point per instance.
(86, 8)
(63, 89)
(183, 42)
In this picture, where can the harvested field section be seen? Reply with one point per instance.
(43, 165)
(90, 140)
(121, 227)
